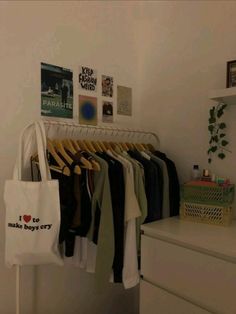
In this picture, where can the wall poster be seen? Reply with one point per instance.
(87, 78)
(87, 110)
(56, 91)
(124, 100)
(107, 86)
(107, 111)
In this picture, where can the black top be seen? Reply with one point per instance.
(174, 187)
(117, 188)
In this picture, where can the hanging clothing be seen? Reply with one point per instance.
(174, 186)
(67, 201)
(140, 195)
(166, 198)
(153, 186)
(130, 273)
(116, 179)
(102, 208)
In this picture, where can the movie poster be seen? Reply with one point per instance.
(107, 86)
(124, 100)
(87, 110)
(56, 91)
(87, 79)
(107, 111)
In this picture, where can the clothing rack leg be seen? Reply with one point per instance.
(17, 289)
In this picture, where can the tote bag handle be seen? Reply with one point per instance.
(38, 128)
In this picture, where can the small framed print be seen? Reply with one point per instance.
(231, 74)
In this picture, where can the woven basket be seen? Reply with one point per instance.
(210, 214)
(216, 195)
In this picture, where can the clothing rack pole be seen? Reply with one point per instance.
(17, 289)
(103, 128)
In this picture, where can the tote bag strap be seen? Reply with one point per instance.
(38, 128)
(44, 139)
(18, 164)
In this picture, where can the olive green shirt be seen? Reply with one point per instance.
(105, 246)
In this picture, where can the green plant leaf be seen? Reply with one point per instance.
(212, 120)
(224, 143)
(220, 113)
(223, 106)
(222, 135)
(222, 125)
(209, 160)
(211, 128)
(216, 138)
(221, 155)
(209, 151)
(212, 112)
(214, 149)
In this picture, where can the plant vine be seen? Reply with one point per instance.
(217, 128)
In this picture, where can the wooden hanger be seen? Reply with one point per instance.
(116, 148)
(139, 146)
(82, 145)
(96, 165)
(60, 148)
(124, 146)
(85, 162)
(104, 149)
(97, 146)
(68, 145)
(130, 146)
(151, 148)
(108, 147)
(76, 145)
(90, 146)
(145, 146)
(62, 166)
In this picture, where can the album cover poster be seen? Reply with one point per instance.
(107, 86)
(87, 110)
(107, 111)
(87, 79)
(124, 100)
(56, 91)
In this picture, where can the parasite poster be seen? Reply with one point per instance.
(56, 91)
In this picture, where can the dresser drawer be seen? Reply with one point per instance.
(154, 300)
(200, 278)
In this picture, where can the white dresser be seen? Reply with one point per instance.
(187, 268)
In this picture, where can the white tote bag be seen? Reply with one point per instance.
(32, 212)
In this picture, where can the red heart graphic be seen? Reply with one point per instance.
(27, 218)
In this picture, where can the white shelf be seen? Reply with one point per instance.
(226, 95)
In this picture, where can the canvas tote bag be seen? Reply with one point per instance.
(32, 211)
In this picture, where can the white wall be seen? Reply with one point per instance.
(170, 53)
(184, 47)
(97, 34)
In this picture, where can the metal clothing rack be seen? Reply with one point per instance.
(78, 130)
(92, 131)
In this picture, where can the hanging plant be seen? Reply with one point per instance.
(217, 130)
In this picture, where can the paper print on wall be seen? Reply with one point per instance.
(87, 110)
(56, 91)
(87, 78)
(124, 100)
(107, 86)
(107, 111)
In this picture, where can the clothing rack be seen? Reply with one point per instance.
(90, 131)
